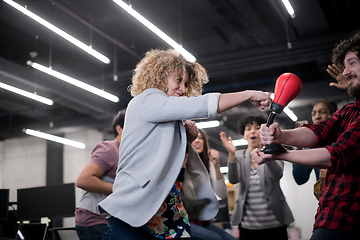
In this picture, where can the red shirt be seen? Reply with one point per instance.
(339, 202)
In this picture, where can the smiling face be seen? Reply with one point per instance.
(198, 143)
(176, 85)
(251, 135)
(352, 73)
(320, 112)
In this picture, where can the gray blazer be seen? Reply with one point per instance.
(152, 152)
(270, 175)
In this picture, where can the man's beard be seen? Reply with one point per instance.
(354, 91)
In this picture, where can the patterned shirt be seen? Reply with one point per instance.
(171, 220)
(339, 203)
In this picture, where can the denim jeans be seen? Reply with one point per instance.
(209, 232)
(330, 234)
(119, 230)
(95, 232)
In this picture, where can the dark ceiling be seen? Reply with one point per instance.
(243, 44)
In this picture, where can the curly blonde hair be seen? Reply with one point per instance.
(157, 64)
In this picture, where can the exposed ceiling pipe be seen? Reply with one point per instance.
(81, 19)
(63, 95)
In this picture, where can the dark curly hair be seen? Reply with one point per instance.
(351, 44)
(331, 105)
(249, 120)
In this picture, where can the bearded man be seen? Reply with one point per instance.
(338, 214)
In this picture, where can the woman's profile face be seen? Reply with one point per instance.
(198, 143)
(176, 85)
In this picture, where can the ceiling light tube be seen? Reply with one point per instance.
(208, 124)
(224, 170)
(55, 138)
(155, 30)
(26, 94)
(291, 114)
(287, 111)
(60, 32)
(240, 142)
(289, 8)
(74, 81)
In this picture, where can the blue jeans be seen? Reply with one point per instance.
(95, 232)
(209, 232)
(119, 230)
(330, 234)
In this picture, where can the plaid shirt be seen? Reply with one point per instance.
(339, 204)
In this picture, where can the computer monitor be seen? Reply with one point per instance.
(31, 231)
(4, 204)
(56, 201)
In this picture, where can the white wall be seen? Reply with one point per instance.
(301, 200)
(23, 162)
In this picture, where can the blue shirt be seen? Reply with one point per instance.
(301, 174)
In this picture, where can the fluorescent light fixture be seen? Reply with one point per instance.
(19, 233)
(155, 30)
(291, 114)
(60, 32)
(208, 124)
(55, 138)
(224, 169)
(74, 81)
(287, 111)
(240, 142)
(26, 94)
(289, 8)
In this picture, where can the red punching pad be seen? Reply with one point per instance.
(287, 87)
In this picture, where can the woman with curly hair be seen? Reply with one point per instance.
(153, 196)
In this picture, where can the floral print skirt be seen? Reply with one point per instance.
(171, 220)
